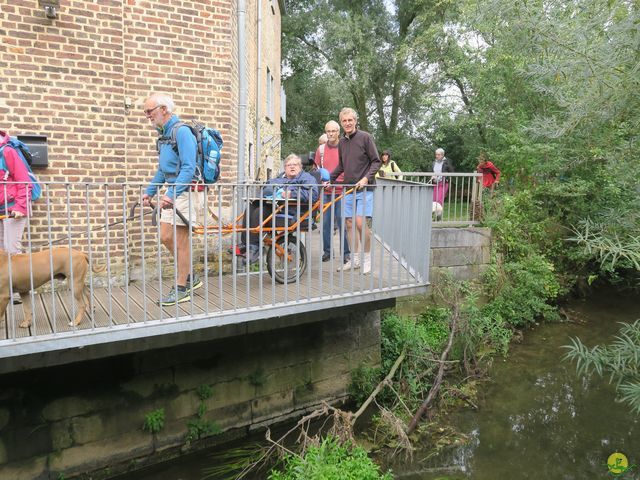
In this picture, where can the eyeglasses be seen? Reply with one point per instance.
(151, 110)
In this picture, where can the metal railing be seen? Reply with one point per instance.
(127, 269)
(457, 196)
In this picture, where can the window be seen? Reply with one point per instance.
(270, 96)
(252, 162)
(283, 105)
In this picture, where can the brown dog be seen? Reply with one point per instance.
(63, 260)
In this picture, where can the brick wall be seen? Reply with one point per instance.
(81, 79)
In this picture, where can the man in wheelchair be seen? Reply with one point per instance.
(296, 185)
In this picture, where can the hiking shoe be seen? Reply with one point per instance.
(16, 299)
(197, 283)
(326, 257)
(172, 298)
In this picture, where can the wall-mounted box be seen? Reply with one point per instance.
(38, 147)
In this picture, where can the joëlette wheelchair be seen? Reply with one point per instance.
(280, 232)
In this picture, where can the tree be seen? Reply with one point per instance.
(364, 48)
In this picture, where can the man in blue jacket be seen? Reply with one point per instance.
(295, 184)
(176, 169)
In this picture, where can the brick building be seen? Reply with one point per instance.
(81, 77)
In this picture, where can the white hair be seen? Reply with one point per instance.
(347, 111)
(440, 150)
(163, 100)
(323, 139)
(293, 158)
(332, 123)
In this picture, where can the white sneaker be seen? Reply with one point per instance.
(345, 266)
(366, 263)
(351, 264)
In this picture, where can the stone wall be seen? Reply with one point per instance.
(86, 418)
(461, 252)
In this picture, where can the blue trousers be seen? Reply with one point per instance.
(327, 231)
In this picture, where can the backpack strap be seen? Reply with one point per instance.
(171, 139)
(3, 163)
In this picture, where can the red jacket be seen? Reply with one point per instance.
(490, 174)
(14, 196)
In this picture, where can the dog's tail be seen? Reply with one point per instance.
(98, 268)
(95, 268)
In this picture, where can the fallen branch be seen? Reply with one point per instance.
(438, 381)
(380, 386)
(342, 423)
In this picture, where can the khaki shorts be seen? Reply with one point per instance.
(195, 214)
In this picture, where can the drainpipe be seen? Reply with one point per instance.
(242, 87)
(259, 75)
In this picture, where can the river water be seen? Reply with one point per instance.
(536, 418)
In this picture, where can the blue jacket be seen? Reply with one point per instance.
(291, 185)
(168, 161)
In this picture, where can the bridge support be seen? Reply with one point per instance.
(88, 416)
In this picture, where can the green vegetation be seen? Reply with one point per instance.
(154, 421)
(258, 377)
(420, 339)
(204, 392)
(330, 460)
(200, 427)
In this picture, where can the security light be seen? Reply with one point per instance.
(50, 8)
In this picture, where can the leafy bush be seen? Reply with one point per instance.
(154, 421)
(330, 461)
(520, 224)
(419, 339)
(480, 334)
(520, 291)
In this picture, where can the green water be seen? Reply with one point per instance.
(536, 419)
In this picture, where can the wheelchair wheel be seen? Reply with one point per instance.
(295, 264)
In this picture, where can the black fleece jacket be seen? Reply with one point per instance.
(358, 158)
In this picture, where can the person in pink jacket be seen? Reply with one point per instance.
(15, 198)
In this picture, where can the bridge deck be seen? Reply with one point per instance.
(220, 294)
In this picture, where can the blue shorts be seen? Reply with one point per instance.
(364, 204)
